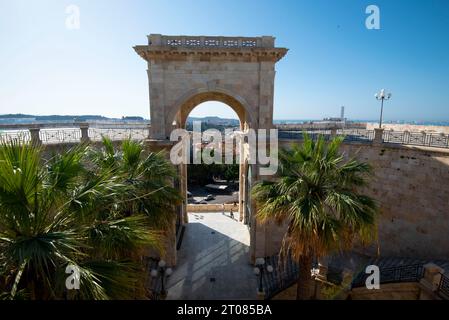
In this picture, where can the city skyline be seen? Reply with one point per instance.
(333, 59)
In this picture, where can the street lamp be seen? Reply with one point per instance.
(163, 271)
(259, 269)
(382, 95)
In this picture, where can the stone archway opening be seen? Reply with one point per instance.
(216, 241)
(224, 181)
(178, 117)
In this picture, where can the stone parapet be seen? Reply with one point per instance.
(211, 48)
(160, 40)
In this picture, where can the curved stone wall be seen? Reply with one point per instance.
(411, 185)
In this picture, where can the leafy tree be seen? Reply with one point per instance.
(150, 175)
(70, 210)
(317, 196)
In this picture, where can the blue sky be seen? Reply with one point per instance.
(333, 59)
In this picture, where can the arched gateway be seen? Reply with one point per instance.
(184, 71)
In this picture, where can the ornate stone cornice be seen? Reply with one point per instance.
(156, 53)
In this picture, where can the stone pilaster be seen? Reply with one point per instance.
(84, 132)
(429, 283)
(35, 135)
(378, 133)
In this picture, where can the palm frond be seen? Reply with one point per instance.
(317, 196)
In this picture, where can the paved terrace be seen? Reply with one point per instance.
(213, 260)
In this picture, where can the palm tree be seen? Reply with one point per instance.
(318, 195)
(66, 211)
(150, 175)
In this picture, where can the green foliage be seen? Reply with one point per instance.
(202, 174)
(317, 195)
(97, 210)
(335, 292)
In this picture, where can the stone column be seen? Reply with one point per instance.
(406, 138)
(258, 231)
(183, 190)
(333, 132)
(429, 283)
(267, 41)
(84, 132)
(378, 133)
(149, 131)
(266, 88)
(242, 187)
(155, 39)
(35, 137)
(156, 78)
(423, 137)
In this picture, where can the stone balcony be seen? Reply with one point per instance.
(227, 48)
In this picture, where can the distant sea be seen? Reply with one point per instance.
(417, 122)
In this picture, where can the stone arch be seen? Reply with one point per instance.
(184, 71)
(179, 112)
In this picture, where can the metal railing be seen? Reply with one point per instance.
(60, 135)
(319, 126)
(443, 287)
(117, 134)
(438, 140)
(283, 276)
(286, 275)
(23, 135)
(425, 139)
(359, 135)
(52, 133)
(299, 135)
(72, 132)
(407, 273)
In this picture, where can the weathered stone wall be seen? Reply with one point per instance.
(410, 184)
(391, 291)
(412, 189)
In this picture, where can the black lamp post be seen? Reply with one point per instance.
(382, 95)
(163, 272)
(259, 270)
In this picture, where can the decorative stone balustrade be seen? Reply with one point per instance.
(210, 42)
(72, 132)
(421, 281)
(82, 131)
(207, 47)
